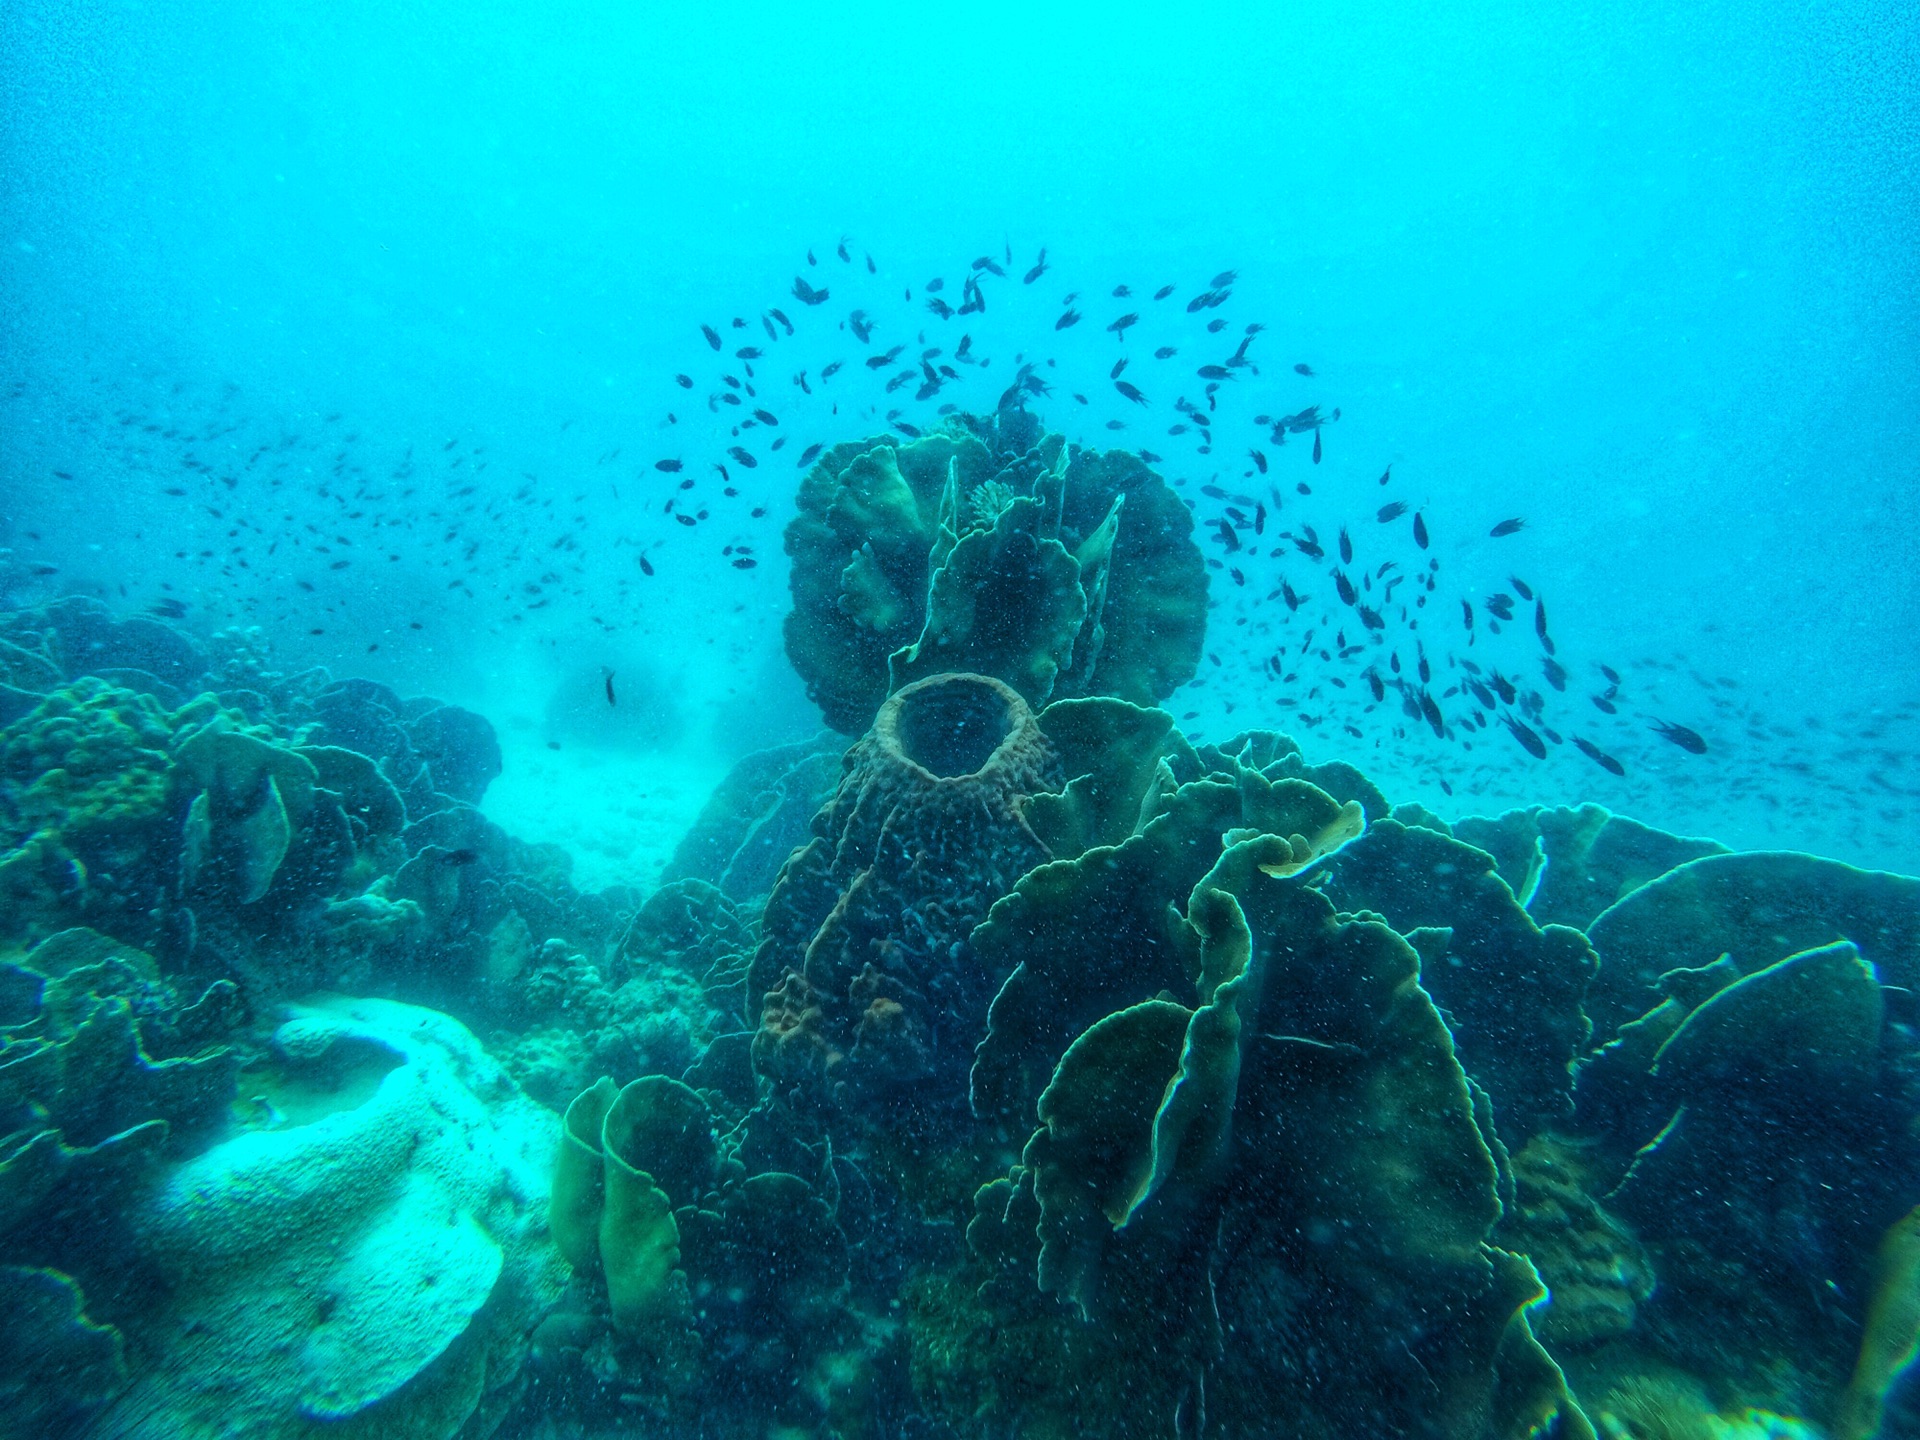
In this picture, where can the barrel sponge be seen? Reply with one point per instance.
(375, 1253)
(923, 833)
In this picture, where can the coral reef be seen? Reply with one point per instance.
(1023, 1067)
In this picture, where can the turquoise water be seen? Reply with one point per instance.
(482, 485)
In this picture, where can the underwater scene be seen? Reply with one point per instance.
(959, 722)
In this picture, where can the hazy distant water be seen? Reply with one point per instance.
(1644, 275)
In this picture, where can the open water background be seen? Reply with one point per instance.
(1642, 274)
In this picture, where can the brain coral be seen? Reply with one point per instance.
(374, 1254)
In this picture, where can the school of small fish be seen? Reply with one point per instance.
(1334, 615)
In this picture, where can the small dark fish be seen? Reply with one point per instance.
(1316, 445)
(841, 251)
(861, 326)
(806, 294)
(1507, 527)
(745, 562)
(608, 674)
(1613, 675)
(1555, 672)
(766, 417)
(685, 382)
(1432, 713)
(1604, 705)
(1680, 735)
(1228, 536)
(1306, 370)
(810, 454)
(1466, 614)
(1213, 372)
(1599, 757)
(1070, 318)
(1525, 590)
(828, 371)
(1163, 292)
(1386, 475)
(940, 308)
(1389, 513)
(1348, 595)
(1259, 461)
(1039, 268)
(742, 456)
(990, 265)
(667, 467)
(1124, 323)
(646, 566)
(1225, 277)
(749, 352)
(1529, 741)
(713, 335)
(1130, 390)
(1420, 530)
(1540, 618)
(1346, 547)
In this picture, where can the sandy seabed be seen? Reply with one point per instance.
(619, 813)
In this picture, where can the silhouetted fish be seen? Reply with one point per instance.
(1529, 741)
(1680, 735)
(1599, 756)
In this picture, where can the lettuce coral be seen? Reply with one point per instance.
(988, 547)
